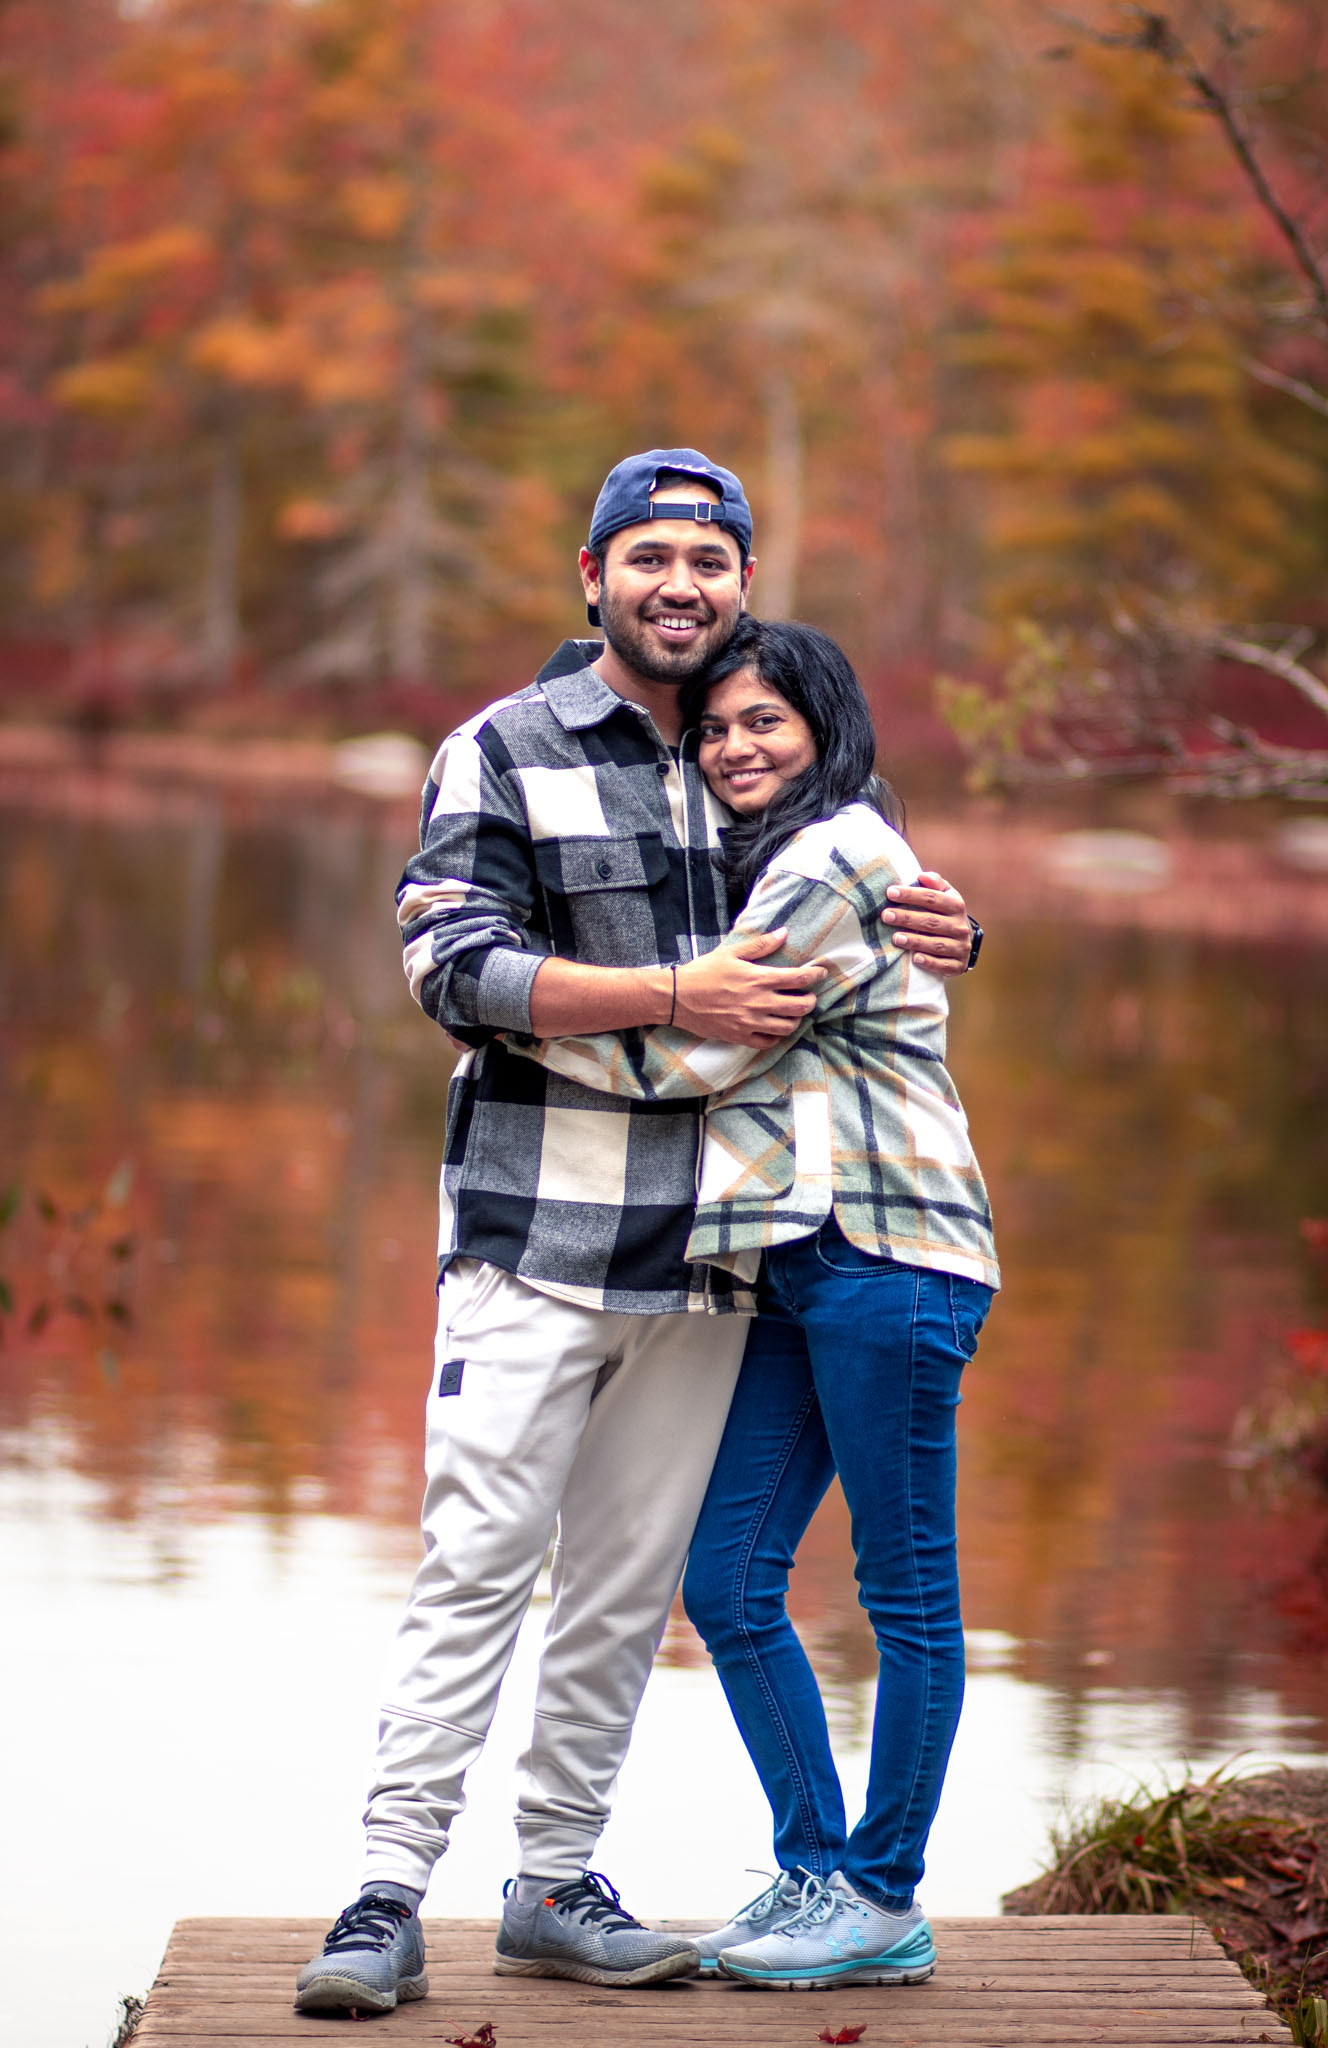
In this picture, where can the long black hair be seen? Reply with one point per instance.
(813, 675)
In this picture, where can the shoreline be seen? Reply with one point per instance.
(1006, 861)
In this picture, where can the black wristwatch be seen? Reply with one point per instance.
(975, 944)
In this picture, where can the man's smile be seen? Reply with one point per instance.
(677, 626)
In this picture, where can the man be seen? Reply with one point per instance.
(565, 872)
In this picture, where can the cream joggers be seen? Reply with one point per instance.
(604, 1426)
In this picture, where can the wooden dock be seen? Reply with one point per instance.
(1148, 1983)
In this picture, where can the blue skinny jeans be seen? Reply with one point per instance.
(852, 1367)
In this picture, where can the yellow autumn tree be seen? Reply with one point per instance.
(1135, 489)
(406, 336)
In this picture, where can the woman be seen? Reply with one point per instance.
(838, 1184)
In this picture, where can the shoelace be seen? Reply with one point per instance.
(591, 1898)
(819, 1901)
(372, 1921)
(766, 1902)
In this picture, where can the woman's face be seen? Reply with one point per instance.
(752, 742)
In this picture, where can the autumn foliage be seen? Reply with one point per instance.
(320, 321)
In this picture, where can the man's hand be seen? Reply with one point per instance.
(931, 923)
(726, 995)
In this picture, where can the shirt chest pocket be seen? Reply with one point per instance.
(601, 895)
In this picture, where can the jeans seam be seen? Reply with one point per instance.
(954, 1320)
(918, 1600)
(806, 1813)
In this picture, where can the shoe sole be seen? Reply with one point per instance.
(343, 1994)
(683, 1964)
(826, 1980)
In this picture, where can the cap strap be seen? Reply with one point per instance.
(703, 512)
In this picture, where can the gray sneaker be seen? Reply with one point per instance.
(838, 1938)
(373, 1957)
(579, 1930)
(779, 1902)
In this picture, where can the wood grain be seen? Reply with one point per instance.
(1142, 1983)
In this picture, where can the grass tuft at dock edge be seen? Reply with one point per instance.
(126, 2020)
(1247, 1856)
(1308, 2022)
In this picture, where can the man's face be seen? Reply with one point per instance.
(669, 591)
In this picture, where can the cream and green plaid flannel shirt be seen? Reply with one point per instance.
(855, 1113)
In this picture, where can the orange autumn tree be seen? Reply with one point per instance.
(290, 349)
(183, 205)
(53, 58)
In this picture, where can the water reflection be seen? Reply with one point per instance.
(215, 1004)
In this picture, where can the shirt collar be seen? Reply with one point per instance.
(572, 690)
(577, 697)
(574, 693)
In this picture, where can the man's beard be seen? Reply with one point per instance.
(631, 640)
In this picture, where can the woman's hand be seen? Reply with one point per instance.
(725, 995)
(931, 923)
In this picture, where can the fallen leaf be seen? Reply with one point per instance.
(484, 2037)
(845, 2035)
(1306, 1927)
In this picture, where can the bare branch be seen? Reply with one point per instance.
(1156, 36)
(1295, 772)
(1250, 770)
(1274, 663)
(1220, 105)
(1292, 386)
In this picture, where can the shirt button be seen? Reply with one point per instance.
(604, 868)
(661, 767)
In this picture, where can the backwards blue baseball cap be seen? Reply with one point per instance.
(625, 499)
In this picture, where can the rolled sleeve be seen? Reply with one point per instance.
(502, 999)
(465, 899)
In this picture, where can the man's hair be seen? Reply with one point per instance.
(686, 479)
(815, 676)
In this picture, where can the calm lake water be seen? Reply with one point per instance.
(224, 1116)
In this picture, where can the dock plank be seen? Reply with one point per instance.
(1062, 1979)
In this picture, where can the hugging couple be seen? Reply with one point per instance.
(713, 1233)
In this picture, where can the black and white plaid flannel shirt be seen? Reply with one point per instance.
(558, 822)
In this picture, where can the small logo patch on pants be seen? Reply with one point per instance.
(449, 1379)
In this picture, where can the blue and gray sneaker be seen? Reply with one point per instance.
(373, 1957)
(837, 1938)
(780, 1901)
(579, 1930)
